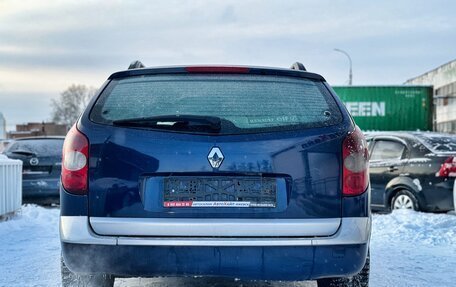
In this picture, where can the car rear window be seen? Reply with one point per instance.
(251, 103)
(438, 143)
(40, 147)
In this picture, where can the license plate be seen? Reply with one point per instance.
(220, 192)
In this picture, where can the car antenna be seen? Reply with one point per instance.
(136, 65)
(298, 66)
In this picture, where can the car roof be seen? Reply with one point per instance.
(41, 138)
(214, 69)
(411, 136)
(408, 134)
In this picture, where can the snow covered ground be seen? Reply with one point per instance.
(407, 249)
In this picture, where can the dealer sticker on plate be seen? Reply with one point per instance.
(217, 204)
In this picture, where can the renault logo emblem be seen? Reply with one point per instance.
(215, 157)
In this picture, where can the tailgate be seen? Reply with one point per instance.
(153, 183)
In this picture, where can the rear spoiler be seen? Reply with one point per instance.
(137, 68)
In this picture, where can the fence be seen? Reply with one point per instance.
(10, 185)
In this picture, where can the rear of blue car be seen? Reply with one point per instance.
(241, 172)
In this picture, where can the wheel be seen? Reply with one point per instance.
(404, 199)
(70, 279)
(359, 280)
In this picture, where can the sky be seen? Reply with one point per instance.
(45, 46)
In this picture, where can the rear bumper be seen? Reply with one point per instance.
(352, 230)
(39, 189)
(214, 227)
(245, 262)
(279, 258)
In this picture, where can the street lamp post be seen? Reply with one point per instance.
(350, 75)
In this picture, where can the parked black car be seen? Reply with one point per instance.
(413, 170)
(41, 157)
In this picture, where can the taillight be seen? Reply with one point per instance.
(75, 162)
(356, 165)
(448, 168)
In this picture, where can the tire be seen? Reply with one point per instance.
(359, 280)
(70, 279)
(404, 199)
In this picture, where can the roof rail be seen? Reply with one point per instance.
(298, 66)
(136, 65)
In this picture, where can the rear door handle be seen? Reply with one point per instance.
(392, 168)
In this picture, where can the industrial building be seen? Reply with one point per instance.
(443, 78)
(38, 129)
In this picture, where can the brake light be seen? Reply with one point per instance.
(226, 70)
(75, 162)
(448, 168)
(355, 161)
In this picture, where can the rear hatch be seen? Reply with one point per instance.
(172, 151)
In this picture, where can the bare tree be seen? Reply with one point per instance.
(71, 103)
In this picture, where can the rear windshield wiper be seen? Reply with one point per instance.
(23, 152)
(174, 122)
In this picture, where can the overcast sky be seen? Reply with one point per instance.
(45, 46)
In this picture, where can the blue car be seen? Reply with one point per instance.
(224, 171)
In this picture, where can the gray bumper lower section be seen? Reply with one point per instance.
(352, 230)
(220, 227)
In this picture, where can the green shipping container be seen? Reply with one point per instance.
(389, 108)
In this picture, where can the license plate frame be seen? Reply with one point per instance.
(219, 192)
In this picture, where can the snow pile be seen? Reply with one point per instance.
(30, 248)
(413, 249)
(424, 229)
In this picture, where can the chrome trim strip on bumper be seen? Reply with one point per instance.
(76, 229)
(210, 227)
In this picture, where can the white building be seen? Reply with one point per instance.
(443, 79)
(2, 127)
